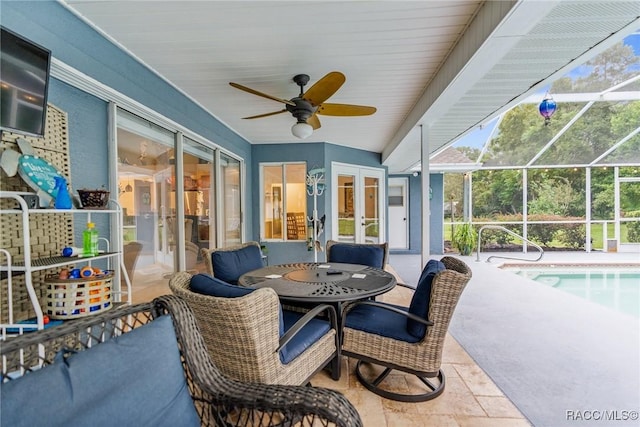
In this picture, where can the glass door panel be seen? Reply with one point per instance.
(371, 217)
(231, 232)
(199, 202)
(164, 199)
(346, 206)
(145, 174)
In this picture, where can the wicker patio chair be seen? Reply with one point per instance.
(218, 400)
(230, 263)
(408, 339)
(242, 334)
(371, 254)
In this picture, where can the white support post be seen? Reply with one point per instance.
(587, 243)
(616, 206)
(425, 202)
(525, 210)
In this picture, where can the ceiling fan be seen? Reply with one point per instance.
(307, 105)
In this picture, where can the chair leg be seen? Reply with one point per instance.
(335, 368)
(373, 386)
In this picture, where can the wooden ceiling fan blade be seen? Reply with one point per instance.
(345, 110)
(324, 88)
(266, 114)
(264, 95)
(314, 121)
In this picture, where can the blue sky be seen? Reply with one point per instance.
(478, 137)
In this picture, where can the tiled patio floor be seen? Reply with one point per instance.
(470, 398)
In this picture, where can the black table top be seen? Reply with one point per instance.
(314, 282)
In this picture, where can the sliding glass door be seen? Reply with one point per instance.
(145, 174)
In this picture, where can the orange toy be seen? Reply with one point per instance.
(86, 272)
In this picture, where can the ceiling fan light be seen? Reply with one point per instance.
(302, 130)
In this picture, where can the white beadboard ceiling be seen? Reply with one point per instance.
(447, 65)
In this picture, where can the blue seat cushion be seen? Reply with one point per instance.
(376, 320)
(207, 285)
(132, 380)
(422, 296)
(309, 334)
(230, 265)
(371, 255)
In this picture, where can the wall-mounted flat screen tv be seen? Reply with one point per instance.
(24, 82)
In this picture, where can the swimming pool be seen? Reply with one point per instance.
(616, 287)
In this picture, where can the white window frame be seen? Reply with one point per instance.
(261, 167)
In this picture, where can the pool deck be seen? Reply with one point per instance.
(554, 355)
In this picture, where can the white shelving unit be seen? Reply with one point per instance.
(31, 265)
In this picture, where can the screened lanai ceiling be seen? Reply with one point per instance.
(597, 121)
(447, 65)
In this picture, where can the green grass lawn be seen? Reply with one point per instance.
(346, 228)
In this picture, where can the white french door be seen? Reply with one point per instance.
(357, 204)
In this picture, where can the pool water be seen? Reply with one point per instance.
(616, 288)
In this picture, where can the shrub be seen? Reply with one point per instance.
(632, 214)
(633, 232)
(544, 233)
(573, 235)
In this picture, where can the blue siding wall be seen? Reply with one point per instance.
(436, 221)
(87, 124)
(317, 155)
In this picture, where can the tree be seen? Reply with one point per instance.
(611, 67)
(522, 134)
(552, 196)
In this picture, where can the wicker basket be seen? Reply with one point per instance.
(74, 298)
(94, 199)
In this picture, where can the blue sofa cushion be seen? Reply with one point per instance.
(376, 320)
(309, 334)
(134, 379)
(207, 285)
(421, 298)
(370, 255)
(230, 265)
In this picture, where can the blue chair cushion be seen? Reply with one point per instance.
(309, 334)
(207, 285)
(135, 379)
(421, 298)
(370, 255)
(376, 320)
(230, 265)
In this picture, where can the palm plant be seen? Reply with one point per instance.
(464, 239)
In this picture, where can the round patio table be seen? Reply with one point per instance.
(321, 282)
